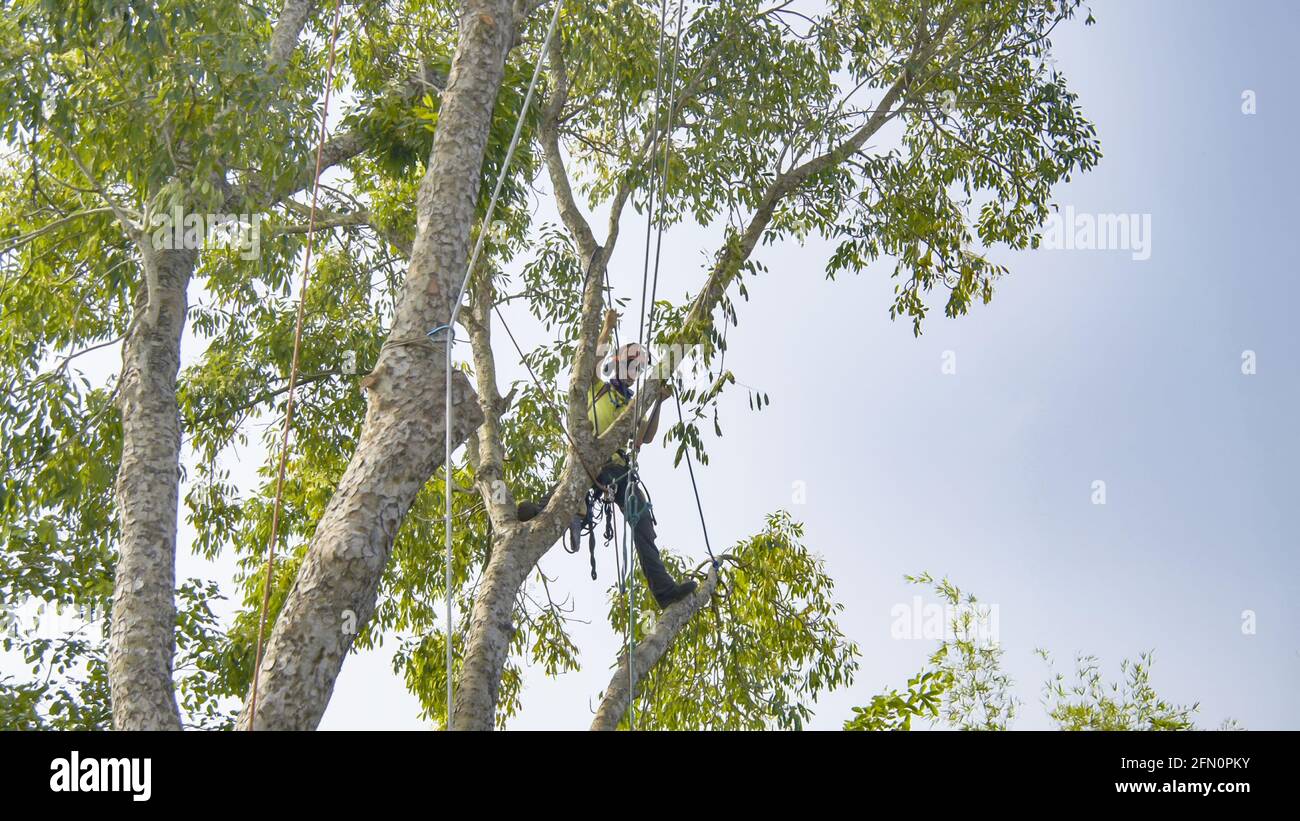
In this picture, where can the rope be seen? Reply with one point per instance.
(668, 147)
(449, 327)
(630, 639)
(629, 632)
(654, 287)
(293, 370)
(650, 194)
(691, 469)
(659, 238)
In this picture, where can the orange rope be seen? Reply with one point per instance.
(293, 370)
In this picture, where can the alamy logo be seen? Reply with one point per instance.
(177, 230)
(1070, 231)
(967, 622)
(77, 774)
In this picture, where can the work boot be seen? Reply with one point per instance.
(674, 595)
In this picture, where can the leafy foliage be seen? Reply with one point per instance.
(758, 656)
(895, 711)
(969, 658)
(66, 649)
(1087, 702)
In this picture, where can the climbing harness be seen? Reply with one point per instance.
(599, 508)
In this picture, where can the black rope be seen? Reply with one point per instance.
(663, 176)
(691, 469)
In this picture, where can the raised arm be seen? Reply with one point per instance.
(602, 341)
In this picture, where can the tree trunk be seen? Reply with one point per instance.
(491, 628)
(142, 637)
(401, 443)
(649, 650)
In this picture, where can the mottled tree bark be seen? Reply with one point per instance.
(142, 639)
(284, 39)
(491, 628)
(649, 650)
(401, 443)
(142, 642)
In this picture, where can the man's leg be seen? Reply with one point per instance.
(529, 509)
(662, 586)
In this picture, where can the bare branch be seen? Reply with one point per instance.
(324, 222)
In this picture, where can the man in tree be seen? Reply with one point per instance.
(608, 398)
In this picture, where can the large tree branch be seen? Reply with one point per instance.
(401, 441)
(288, 28)
(736, 253)
(142, 640)
(579, 228)
(488, 453)
(649, 650)
(339, 148)
(548, 131)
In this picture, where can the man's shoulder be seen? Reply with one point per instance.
(614, 389)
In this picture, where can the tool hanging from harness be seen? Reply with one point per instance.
(586, 524)
(600, 508)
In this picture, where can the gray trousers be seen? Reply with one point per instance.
(617, 478)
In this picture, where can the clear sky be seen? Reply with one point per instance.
(1088, 365)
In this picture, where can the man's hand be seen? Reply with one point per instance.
(607, 328)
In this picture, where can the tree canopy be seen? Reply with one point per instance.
(922, 133)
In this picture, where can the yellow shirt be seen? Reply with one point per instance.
(604, 404)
